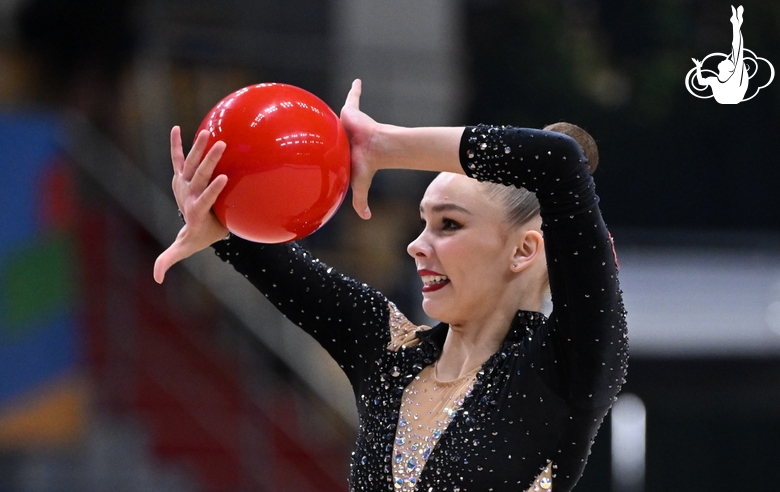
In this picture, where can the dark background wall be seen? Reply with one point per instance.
(669, 160)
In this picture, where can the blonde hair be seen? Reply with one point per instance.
(583, 138)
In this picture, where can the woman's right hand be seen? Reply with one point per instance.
(195, 194)
(360, 128)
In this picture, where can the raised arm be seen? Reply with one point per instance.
(587, 323)
(378, 146)
(348, 318)
(340, 313)
(585, 363)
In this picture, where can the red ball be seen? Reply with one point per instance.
(286, 158)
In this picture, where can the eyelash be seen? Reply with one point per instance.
(446, 224)
(449, 224)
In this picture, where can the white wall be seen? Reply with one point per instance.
(407, 54)
(701, 301)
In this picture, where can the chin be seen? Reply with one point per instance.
(436, 310)
(427, 309)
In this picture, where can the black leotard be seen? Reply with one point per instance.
(541, 397)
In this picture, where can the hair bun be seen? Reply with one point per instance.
(588, 145)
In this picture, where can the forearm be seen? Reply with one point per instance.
(422, 149)
(586, 326)
(349, 319)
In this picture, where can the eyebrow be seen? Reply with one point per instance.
(443, 207)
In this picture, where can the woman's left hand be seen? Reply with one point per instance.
(360, 128)
(195, 194)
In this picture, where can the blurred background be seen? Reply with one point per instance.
(111, 382)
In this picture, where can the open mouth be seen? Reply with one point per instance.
(434, 279)
(434, 282)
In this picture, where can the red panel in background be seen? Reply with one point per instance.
(163, 366)
(56, 196)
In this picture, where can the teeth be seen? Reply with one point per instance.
(433, 279)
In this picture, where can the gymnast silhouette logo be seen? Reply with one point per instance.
(730, 84)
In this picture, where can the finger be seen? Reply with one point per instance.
(360, 198)
(353, 97)
(193, 159)
(177, 153)
(165, 261)
(179, 192)
(212, 191)
(205, 170)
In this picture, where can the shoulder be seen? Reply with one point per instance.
(403, 333)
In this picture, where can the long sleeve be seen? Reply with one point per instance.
(585, 361)
(349, 319)
(540, 398)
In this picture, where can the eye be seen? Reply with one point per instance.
(449, 224)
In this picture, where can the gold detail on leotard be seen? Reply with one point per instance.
(543, 482)
(403, 333)
(428, 407)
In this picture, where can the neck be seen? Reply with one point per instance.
(471, 342)
(463, 351)
(468, 345)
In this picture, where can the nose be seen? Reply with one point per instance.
(418, 248)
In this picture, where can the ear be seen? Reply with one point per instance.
(528, 246)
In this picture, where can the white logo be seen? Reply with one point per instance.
(730, 84)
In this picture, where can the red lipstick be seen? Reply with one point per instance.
(435, 286)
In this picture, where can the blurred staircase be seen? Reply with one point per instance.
(208, 396)
(199, 385)
(196, 385)
(114, 456)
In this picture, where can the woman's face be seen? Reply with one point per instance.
(463, 254)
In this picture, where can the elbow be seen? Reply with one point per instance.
(576, 143)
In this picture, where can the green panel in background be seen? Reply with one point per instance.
(36, 283)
